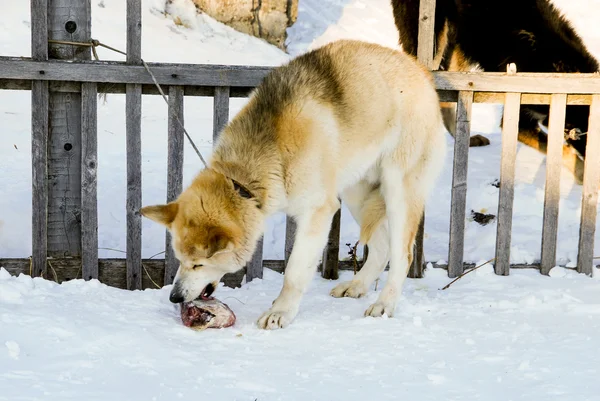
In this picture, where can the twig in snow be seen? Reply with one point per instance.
(467, 272)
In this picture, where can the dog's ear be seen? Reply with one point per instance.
(162, 214)
(219, 240)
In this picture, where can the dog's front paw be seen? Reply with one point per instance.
(352, 289)
(380, 308)
(272, 320)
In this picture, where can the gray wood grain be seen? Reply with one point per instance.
(39, 141)
(250, 76)
(290, 235)
(552, 191)
(64, 145)
(174, 170)
(220, 110)
(39, 166)
(254, 269)
(510, 129)
(459, 184)
(89, 181)
(589, 201)
(134, 32)
(133, 105)
(331, 252)
(39, 30)
(426, 36)
(417, 267)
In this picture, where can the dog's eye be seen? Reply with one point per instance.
(197, 266)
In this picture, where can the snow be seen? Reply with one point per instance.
(520, 337)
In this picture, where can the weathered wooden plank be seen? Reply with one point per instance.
(459, 184)
(526, 98)
(39, 141)
(39, 170)
(556, 124)
(67, 20)
(417, 267)
(426, 36)
(254, 269)
(133, 112)
(39, 30)
(89, 181)
(174, 170)
(589, 201)
(331, 252)
(290, 235)
(250, 76)
(510, 129)
(220, 110)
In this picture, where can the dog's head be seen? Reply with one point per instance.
(214, 226)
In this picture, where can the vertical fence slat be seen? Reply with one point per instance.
(133, 104)
(220, 110)
(89, 181)
(331, 253)
(459, 183)
(425, 39)
(290, 234)
(589, 201)
(174, 170)
(558, 105)
(254, 269)
(39, 140)
(510, 130)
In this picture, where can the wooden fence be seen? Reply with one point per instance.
(63, 81)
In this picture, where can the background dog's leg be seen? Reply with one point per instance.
(379, 246)
(449, 117)
(311, 236)
(404, 207)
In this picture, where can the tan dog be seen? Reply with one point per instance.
(350, 119)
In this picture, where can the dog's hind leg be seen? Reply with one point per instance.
(358, 198)
(311, 236)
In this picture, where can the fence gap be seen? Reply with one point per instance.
(89, 180)
(558, 108)
(174, 170)
(331, 253)
(133, 104)
(510, 131)
(589, 201)
(459, 183)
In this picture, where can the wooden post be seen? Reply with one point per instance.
(254, 269)
(89, 180)
(220, 110)
(510, 131)
(589, 201)
(331, 252)
(290, 234)
(459, 184)
(558, 108)
(133, 128)
(39, 140)
(67, 20)
(174, 170)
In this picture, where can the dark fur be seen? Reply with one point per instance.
(492, 33)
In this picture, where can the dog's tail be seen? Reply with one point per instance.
(372, 215)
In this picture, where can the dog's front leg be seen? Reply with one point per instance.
(311, 237)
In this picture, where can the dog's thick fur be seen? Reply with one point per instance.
(351, 120)
(487, 35)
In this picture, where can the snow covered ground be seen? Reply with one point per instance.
(522, 337)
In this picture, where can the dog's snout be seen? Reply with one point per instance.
(176, 297)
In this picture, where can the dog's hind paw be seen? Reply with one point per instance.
(272, 320)
(352, 289)
(379, 308)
